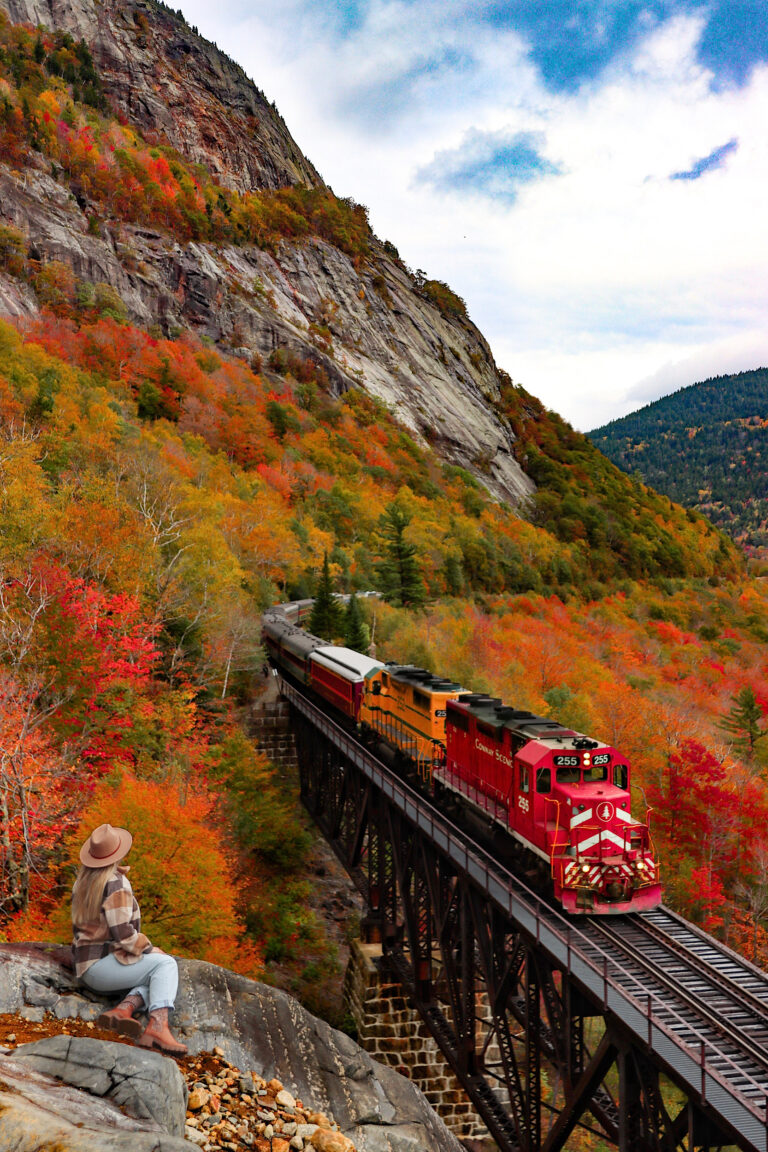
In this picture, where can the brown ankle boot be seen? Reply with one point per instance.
(120, 1018)
(157, 1034)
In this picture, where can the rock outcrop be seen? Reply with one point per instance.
(253, 1027)
(366, 325)
(435, 372)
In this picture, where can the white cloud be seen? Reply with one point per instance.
(739, 354)
(605, 275)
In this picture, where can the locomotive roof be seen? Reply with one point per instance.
(422, 678)
(348, 663)
(490, 710)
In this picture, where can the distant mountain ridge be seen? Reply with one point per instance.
(706, 447)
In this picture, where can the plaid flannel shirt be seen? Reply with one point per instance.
(117, 932)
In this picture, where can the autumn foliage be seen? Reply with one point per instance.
(156, 495)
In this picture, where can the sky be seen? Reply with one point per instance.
(589, 175)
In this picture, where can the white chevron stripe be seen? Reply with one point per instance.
(581, 818)
(607, 835)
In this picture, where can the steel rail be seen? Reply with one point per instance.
(563, 942)
(652, 975)
(708, 961)
(721, 960)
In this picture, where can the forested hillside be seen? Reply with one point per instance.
(706, 447)
(212, 391)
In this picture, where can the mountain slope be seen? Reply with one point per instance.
(706, 447)
(104, 216)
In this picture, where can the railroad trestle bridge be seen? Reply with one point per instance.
(643, 1029)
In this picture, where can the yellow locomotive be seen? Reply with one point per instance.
(407, 706)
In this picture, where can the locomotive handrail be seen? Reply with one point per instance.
(556, 936)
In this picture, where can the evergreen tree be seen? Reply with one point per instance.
(356, 634)
(325, 620)
(398, 572)
(454, 577)
(744, 721)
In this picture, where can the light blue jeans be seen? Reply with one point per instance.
(154, 977)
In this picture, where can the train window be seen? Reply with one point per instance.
(420, 699)
(620, 775)
(543, 780)
(459, 720)
(385, 679)
(596, 772)
(376, 688)
(570, 775)
(524, 785)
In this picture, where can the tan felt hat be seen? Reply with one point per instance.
(106, 845)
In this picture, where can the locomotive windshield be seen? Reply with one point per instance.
(571, 767)
(570, 774)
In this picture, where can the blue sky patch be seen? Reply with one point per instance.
(491, 164)
(734, 40)
(715, 159)
(572, 42)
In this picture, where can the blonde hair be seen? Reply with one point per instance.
(88, 893)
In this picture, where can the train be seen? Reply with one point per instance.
(562, 798)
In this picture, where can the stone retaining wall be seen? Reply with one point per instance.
(271, 729)
(392, 1032)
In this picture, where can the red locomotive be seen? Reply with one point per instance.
(563, 796)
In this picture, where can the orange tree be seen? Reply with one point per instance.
(181, 874)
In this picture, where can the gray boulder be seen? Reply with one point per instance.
(262, 1028)
(38, 1112)
(144, 1084)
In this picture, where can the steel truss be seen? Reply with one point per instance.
(535, 1049)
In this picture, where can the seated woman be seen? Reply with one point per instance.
(111, 953)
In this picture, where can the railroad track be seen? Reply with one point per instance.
(709, 997)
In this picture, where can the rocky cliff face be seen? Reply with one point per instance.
(380, 331)
(110, 1098)
(172, 83)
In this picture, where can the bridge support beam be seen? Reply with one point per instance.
(578, 1101)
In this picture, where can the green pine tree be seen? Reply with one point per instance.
(356, 633)
(398, 572)
(454, 577)
(325, 620)
(745, 721)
